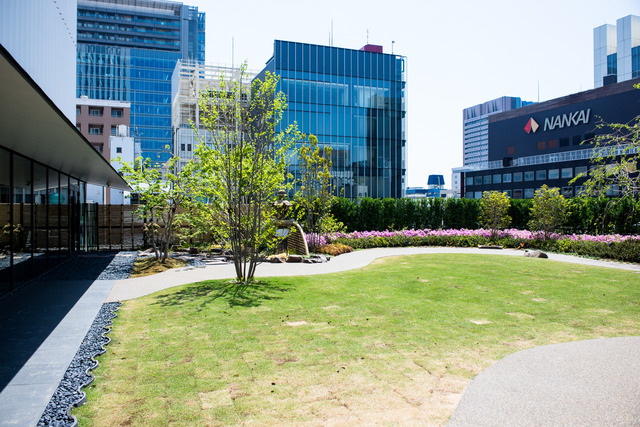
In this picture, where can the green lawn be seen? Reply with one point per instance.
(393, 343)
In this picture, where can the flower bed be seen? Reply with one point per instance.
(612, 246)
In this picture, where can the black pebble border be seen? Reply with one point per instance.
(77, 376)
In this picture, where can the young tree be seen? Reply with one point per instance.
(160, 198)
(243, 165)
(549, 210)
(616, 160)
(494, 208)
(316, 193)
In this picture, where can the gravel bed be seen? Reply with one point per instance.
(77, 376)
(95, 266)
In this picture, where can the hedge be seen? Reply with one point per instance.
(587, 215)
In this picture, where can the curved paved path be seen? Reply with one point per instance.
(581, 383)
(137, 287)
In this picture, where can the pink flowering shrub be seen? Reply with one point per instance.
(613, 246)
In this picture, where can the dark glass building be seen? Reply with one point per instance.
(353, 101)
(127, 52)
(548, 143)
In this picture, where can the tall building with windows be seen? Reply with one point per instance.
(127, 51)
(353, 101)
(475, 124)
(616, 51)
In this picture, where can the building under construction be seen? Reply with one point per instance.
(189, 80)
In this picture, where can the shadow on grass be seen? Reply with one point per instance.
(235, 294)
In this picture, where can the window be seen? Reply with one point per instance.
(542, 145)
(581, 170)
(508, 192)
(78, 126)
(517, 194)
(95, 130)
(188, 147)
(554, 173)
(77, 110)
(116, 112)
(477, 180)
(553, 143)
(113, 130)
(486, 179)
(469, 180)
(577, 140)
(528, 176)
(567, 173)
(477, 195)
(181, 147)
(589, 137)
(567, 191)
(517, 177)
(95, 111)
(497, 179)
(528, 193)
(119, 150)
(506, 177)
(541, 175)
(581, 190)
(469, 195)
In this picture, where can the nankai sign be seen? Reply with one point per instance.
(560, 121)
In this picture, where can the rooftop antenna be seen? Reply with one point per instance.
(392, 43)
(331, 40)
(538, 91)
(233, 51)
(367, 36)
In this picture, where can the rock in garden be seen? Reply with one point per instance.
(294, 258)
(535, 254)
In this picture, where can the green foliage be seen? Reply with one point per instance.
(334, 249)
(160, 195)
(494, 208)
(243, 164)
(520, 212)
(549, 210)
(316, 192)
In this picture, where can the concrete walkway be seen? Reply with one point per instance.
(581, 383)
(137, 287)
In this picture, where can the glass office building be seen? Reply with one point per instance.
(353, 101)
(127, 52)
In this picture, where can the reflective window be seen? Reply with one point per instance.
(554, 173)
(496, 179)
(567, 173)
(528, 193)
(486, 179)
(517, 177)
(528, 176)
(506, 177)
(541, 175)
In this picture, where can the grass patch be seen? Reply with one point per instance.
(150, 265)
(393, 343)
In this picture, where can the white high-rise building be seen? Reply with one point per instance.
(616, 51)
(475, 124)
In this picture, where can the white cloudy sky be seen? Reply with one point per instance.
(459, 53)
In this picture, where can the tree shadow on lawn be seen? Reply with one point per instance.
(234, 293)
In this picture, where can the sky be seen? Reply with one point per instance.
(459, 53)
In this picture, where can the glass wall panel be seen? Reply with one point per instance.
(53, 216)
(64, 216)
(40, 245)
(21, 243)
(5, 214)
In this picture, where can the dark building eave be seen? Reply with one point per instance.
(32, 125)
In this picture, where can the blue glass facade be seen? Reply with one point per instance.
(128, 54)
(353, 101)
